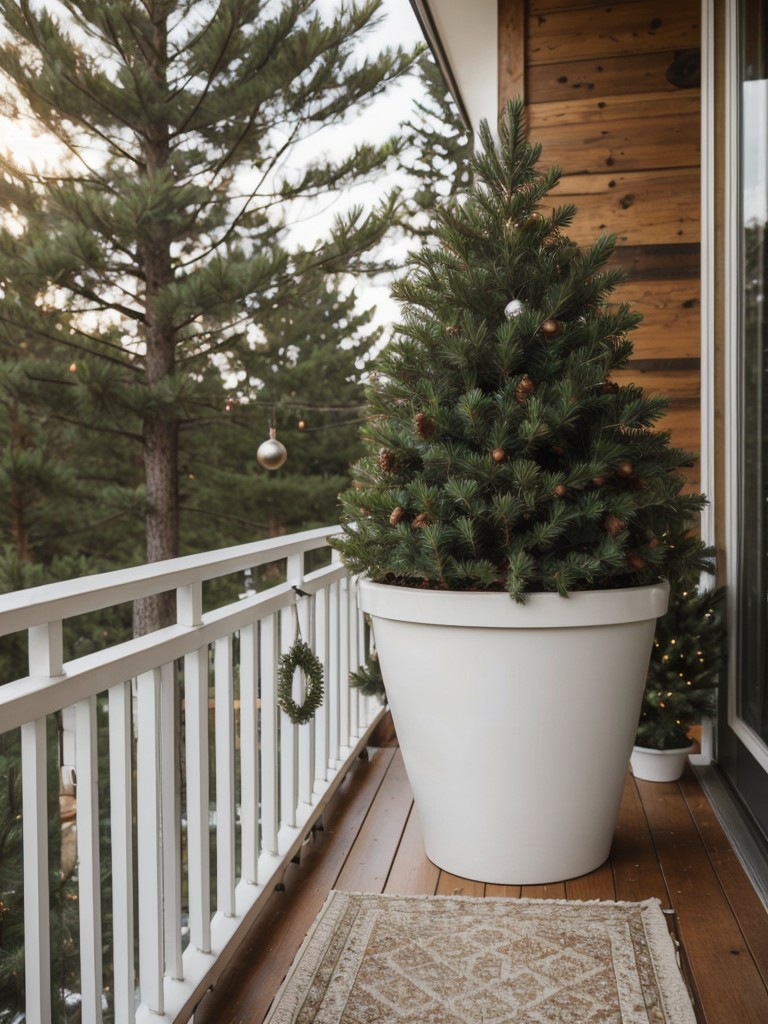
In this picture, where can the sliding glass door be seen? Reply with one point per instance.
(744, 738)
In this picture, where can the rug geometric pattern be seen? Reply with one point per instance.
(372, 959)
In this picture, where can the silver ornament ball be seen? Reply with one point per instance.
(272, 453)
(513, 309)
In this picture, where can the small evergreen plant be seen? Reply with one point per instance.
(501, 453)
(687, 657)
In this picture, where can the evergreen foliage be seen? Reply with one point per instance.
(688, 655)
(438, 151)
(368, 678)
(154, 250)
(501, 454)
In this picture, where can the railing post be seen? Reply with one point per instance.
(306, 734)
(334, 672)
(225, 776)
(345, 730)
(189, 613)
(353, 696)
(37, 943)
(88, 861)
(170, 818)
(270, 801)
(46, 656)
(288, 736)
(249, 754)
(149, 843)
(121, 823)
(322, 648)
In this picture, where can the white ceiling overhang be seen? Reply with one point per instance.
(463, 37)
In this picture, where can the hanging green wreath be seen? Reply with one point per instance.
(303, 657)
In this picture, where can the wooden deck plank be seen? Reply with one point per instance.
(453, 885)
(728, 982)
(555, 891)
(369, 862)
(413, 873)
(738, 889)
(598, 885)
(636, 870)
(503, 891)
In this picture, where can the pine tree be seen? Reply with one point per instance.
(501, 454)
(165, 237)
(71, 487)
(686, 660)
(438, 151)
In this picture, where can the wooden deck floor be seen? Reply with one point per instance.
(668, 844)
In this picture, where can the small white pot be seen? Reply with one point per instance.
(515, 722)
(659, 765)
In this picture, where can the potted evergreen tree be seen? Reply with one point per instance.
(687, 657)
(515, 520)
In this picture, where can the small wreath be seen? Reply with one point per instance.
(300, 656)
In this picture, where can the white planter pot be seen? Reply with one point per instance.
(659, 765)
(516, 722)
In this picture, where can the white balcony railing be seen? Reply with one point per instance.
(272, 778)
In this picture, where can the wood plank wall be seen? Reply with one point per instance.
(612, 93)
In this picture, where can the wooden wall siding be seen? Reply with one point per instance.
(612, 94)
(643, 208)
(601, 78)
(611, 30)
(601, 135)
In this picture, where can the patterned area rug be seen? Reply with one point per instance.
(459, 960)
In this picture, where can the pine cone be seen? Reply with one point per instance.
(453, 330)
(396, 515)
(422, 519)
(614, 525)
(636, 561)
(560, 491)
(425, 427)
(498, 454)
(625, 469)
(387, 461)
(609, 387)
(524, 390)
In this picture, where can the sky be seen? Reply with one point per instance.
(755, 151)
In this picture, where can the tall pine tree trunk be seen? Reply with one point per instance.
(160, 428)
(19, 525)
(161, 458)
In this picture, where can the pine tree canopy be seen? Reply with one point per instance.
(501, 454)
(438, 150)
(168, 233)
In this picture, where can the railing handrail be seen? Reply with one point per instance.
(32, 696)
(53, 601)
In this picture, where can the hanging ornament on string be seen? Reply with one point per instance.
(271, 454)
